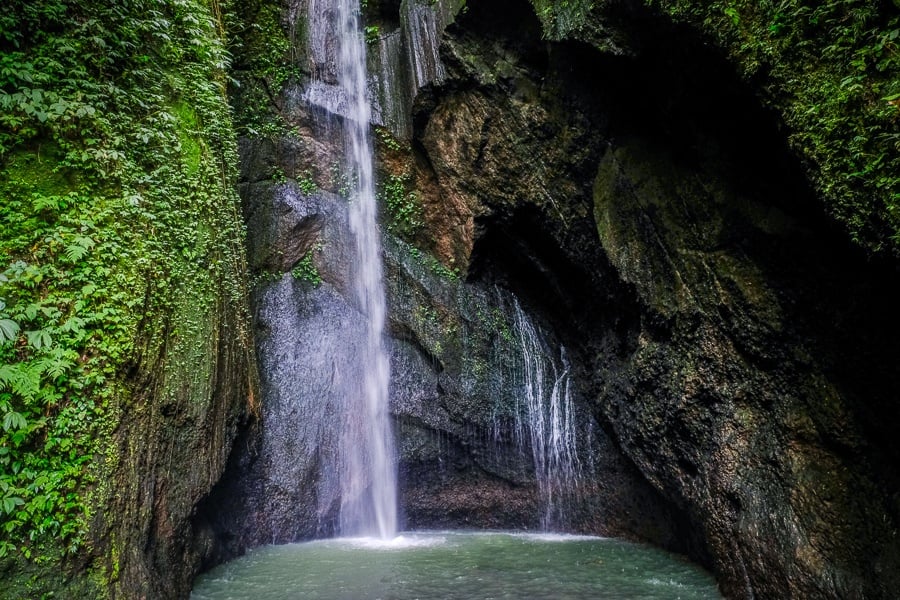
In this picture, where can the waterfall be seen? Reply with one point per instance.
(547, 421)
(367, 478)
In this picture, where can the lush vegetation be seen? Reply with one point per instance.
(404, 210)
(264, 65)
(120, 234)
(561, 17)
(832, 71)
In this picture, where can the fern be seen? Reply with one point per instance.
(54, 367)
(75, 252)
(21, 379)
(50, 203)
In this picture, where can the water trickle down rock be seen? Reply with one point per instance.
(391, 102)
(423, 25)
(405, 58)
(489, 435)
(546, 419)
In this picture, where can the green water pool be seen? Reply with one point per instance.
(458, 565)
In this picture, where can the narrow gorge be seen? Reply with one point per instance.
(619, 296)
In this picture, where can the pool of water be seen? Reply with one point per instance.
(457, 565)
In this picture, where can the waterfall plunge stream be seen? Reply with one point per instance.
(369, 483)
(368, 480)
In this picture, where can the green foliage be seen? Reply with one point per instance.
(832, 69)
(307, 183)
(386, 139)
(120, 232)
(259, 39)
(372, 34)
(306, 270)
(404, 210)
(434, 265)
(561, 17)
(52, 379)
(493, 320)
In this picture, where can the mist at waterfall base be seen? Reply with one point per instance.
(457, 565)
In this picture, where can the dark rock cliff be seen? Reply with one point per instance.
(456, 361)
(731, 349)
(736, 343)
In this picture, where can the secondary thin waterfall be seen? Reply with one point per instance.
(551, 423)
(369, 480)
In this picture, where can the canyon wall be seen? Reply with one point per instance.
(610, 194)
(621, 183)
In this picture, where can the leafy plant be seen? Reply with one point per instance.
(832, 70)
(561, 17)
(387, 140)
(372, 34)
(120, 234)
(307, 183)
(404, 209)
(434, 265)
(306, 270)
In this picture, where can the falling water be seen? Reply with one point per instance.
(368, 480)
(550, 422)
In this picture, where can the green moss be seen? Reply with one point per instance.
(47, 582)
(39, 169)
(188, 127)
(117, 275)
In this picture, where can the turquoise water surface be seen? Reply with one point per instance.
(457, 565)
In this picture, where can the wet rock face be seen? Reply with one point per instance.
(729, 353)
(734, 345)
(457, 365)
(743, 391)
(458, 393)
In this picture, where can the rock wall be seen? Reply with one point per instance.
(174, 435)
(735, 341)
(729, 347)
(457, 368)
